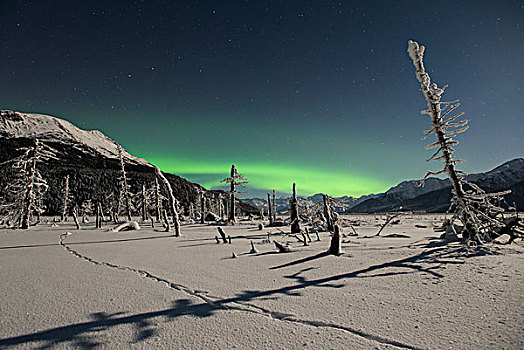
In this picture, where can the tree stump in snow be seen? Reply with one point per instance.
(253, 250)
(222, 234)
(335, 247)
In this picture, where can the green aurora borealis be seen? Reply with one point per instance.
(276, 176)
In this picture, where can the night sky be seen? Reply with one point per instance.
(321, 93)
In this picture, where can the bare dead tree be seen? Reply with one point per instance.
(202, 207)
(75, 218)
(295, 224)
(327, 213)
(235, 179)
(474, 208)
(125, 187)
(144, 203)
(220, 207)
(97, 217)
(171, 198)
(65, 198)
(167, 225)
(389, 218)
(269, 210)
(274, 206)
(158, 206)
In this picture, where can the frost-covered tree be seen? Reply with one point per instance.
(172, 201)
(158, 200)
(473, 207)
(236, 179)
(293, 206)
(269, 210)
(328, 216)
(125, 195)
(66, 198)
(274, 206)
(23, 195)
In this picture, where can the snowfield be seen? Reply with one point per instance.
(146, 289)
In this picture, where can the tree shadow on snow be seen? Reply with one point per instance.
(81, 335)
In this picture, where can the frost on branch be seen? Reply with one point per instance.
(475, 208)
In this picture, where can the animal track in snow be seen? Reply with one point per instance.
(233, 304)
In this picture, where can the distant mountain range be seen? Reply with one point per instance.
(433, 196)
(91, 160)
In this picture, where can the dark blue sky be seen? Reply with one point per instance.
(318, 92)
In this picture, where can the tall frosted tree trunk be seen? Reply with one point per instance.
(202, 207)
(327, 214)
(274, 206)
(101, 218)
(157, 200)
(171, 198)
(144, 203)
(66, 197)
(97, 217)
(232, 217)
(295, 225)
(29, 194)
(124, 180)
(433, 95)
(269, 210)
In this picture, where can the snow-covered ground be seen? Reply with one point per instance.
(148, 289)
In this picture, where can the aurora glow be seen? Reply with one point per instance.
(278, 177)
(318, 93)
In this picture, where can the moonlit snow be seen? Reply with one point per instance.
(65, 288)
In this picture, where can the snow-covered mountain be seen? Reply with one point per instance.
(413, 188)
(52, 130)
(436, 193)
